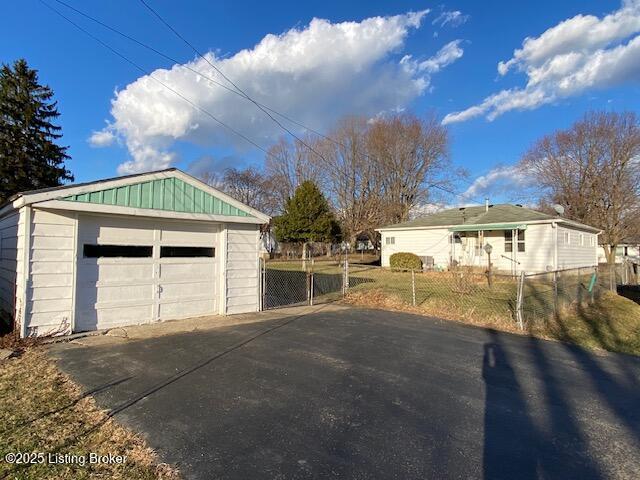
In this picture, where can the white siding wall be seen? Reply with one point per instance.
(8, 261)
(539, 254)
(242, 268)
(574, 254)
(539, 251)
(434, 243)
(50, 288)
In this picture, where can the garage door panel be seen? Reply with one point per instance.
(181, 308)
(182, 271)
(115, 273)
(107, 317)
(118, 291)
(186, 290)
(191, 235)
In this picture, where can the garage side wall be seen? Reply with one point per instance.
(9, 234)
(242, 268)
(49, 295)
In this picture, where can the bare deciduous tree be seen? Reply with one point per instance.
(248, 186)
(593, 171)
(411, 156)
(351, 178)
(288, 165)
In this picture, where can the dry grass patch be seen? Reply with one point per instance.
(43, 411)
(434, 307)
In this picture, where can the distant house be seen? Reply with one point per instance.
(629, 249)
(522, 240)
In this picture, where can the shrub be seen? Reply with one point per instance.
(405, 261)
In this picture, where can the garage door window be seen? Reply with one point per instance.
(186, 252)
(112, 251)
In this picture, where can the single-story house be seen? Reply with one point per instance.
(522, 240)
(128, 250)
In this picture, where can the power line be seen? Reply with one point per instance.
(146, 72)
(238, 89)
(197, 72)
(235, 90)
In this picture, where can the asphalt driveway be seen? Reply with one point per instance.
(366, 394)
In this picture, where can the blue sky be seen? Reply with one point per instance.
(449, 66)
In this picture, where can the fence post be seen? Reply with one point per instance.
(262, 281)
(519, 301)
(555, 292)
(345, 277)
(413, 287)
(311, 290)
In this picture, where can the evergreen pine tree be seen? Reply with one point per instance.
(29, 157)
(307, 217)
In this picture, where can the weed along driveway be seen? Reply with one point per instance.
(354, 393)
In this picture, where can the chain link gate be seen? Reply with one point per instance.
(296, 283)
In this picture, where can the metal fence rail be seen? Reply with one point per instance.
(462, 293)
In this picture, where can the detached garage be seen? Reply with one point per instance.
(125, 251)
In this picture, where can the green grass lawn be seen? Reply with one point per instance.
(44, 412)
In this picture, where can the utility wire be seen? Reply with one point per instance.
(146, 72)
(197, 72)
(238, 89)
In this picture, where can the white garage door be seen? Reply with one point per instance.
(133, 271)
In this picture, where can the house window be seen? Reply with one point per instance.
(508, 241)
(521, 240)
(390, 240)
(183, 252)
(582, 240)
(121, 251)
(566, 238)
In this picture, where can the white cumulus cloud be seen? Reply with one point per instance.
(102, 138)
(313, 74)
(582, 53)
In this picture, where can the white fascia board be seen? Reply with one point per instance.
(142, 212)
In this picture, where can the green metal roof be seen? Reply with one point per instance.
(480, 216)
(169, 194)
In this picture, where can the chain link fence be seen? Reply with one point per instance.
(461, 293)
